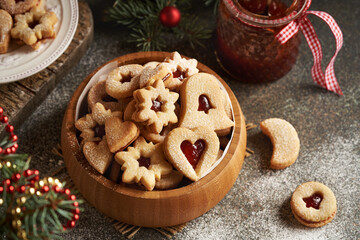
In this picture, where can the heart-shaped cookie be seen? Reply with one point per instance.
(98, 155)
(120, 134)
(192, 152)
(202, 104)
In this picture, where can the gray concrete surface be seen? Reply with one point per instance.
(257, 207)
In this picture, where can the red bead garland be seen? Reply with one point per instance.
(10, 129)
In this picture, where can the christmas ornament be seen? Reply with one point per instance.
(151, 22)
(170, 16)
(31, 208)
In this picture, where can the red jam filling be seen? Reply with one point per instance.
(204, 104)
(126, 79)
(108, 98)
(99, 130)
(193, 152)
(179, 75)
(313, 201)
(156, 105)
(264, 7)
(144, 162)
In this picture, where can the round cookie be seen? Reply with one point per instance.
(97, 94)
(313, 204)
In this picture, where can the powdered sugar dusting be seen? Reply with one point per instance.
(259, 202)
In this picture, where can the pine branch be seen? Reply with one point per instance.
(131, 13)
(148, 36)
(191, 30)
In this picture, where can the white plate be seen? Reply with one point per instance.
(22, 62)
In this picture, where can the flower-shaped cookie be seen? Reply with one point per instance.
(122, 81)
(173, 71)
(144, 163)
(181, 68)
(6, 23)
(155, 106)
(44, 26)
(202, 104)
(92, 126)
(17, 7)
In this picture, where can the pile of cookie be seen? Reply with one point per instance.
(26, 22)
(161, 123)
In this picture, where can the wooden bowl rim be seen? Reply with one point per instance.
(155, 194)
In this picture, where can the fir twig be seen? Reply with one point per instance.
(191, 30)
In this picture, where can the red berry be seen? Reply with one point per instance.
(45, 188)
(67, 191)
(27, 173)
(1, 189)
(72, 197)
(56, 188)
(76, 211)
(75, 204)
(4, 119)
(76, 217)
(7, 182)
(8, 151)
(9, 128)
(13, 149)
(1, 150)
(36, 172)
(1, 111)
(64, 228)
(10, 189)
(15, 145)
(21, 189)
(14, 138)
(16, 177)
(70, 224)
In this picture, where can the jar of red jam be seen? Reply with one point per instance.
(246, 43)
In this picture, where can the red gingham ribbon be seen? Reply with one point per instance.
(327, 80)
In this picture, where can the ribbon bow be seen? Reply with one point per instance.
(327, 80)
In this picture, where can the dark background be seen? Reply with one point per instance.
(257, 207)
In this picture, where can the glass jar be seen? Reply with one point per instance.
(246, 44)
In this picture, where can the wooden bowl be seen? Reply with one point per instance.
(152, 208)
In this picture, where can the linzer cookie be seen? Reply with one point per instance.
(155, 106)
(192, 152)
(202, 104)
(313, 204)
(285, 142)
(180, 69)
(158, 143)
(123, 81)
(144, 163)
(98, 94)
